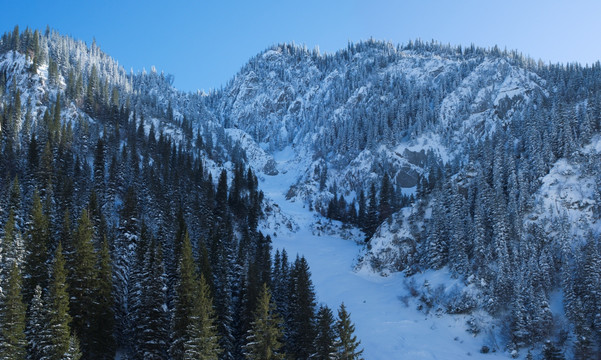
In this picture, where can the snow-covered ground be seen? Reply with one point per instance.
(385, 314)
(567, 193)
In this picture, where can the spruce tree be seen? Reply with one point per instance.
(371, 216)
(74, 352)
(58, 318)
(36, 259)
(551, 352)
(202, 340)
(82, 284)
(103, 343)
(347, 345)
(14, 203)
(263, 341)
(221, 198)
(152, 316)
(36, 332)
(13, 343)
(99, 173)
(301, 326)
(11, 247)
(325, 336)
(386, 199)
(184, 300)
(281, 286)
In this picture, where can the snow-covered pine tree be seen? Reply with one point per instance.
(301, 324)
(325, 335)
(347, 345)
(103, 343)
(264, 339)
(152, 318)
(83, 283)
(36, 258)
(36, 331)
(202, 342)
(13, 342)
(58, 319)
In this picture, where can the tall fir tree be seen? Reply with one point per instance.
(202, 339)
(386, 200)
(82, 283)
(371, 214)
(301, 327)
(152, 318)
(552, 352)
(184, 301)
(37, 330)
(325, 335)
(263, 341)
(74, 351)
(347, 345)
(103, 343)
(11, 248)
(58, 318)
(13, 342)
(36, 259)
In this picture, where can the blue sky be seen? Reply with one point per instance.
(204, 43)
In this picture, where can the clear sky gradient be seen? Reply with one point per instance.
(204, 43)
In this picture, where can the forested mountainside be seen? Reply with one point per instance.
(129, 222)
(131, 212)
(480, 161)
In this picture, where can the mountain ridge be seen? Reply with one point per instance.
(444, 157)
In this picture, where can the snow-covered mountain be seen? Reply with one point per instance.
(428, 186)
(486, 153)
(375, 108)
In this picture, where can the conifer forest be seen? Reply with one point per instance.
(138, 221)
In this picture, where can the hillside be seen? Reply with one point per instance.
(478, 162)
(437, 191)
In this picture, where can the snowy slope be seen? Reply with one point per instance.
(385, 313)
(288, 96)
(569, 194)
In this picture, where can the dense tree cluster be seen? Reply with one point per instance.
(129, 218)
(472, 213)
(117, 238)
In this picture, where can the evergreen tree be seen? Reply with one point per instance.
(11, 248)
(73, 353)
(323, 177)
(99, 173)
(58, 318)
(103, 343)
(14, 203)
(36, 334)
(221, 198)
(302, 311)
(347, 345)
(202, 340)
(437, 252)
(82, 284)
(263, 341)
(281, 284)
(386, 199)
(371, 215)
(186, 296)
(361, 210)
(36, 259)
(325, 336)
(551, 352)
(124, 247)
(152, 318)
(13, 343)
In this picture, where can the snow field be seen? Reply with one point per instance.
(385, 315)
